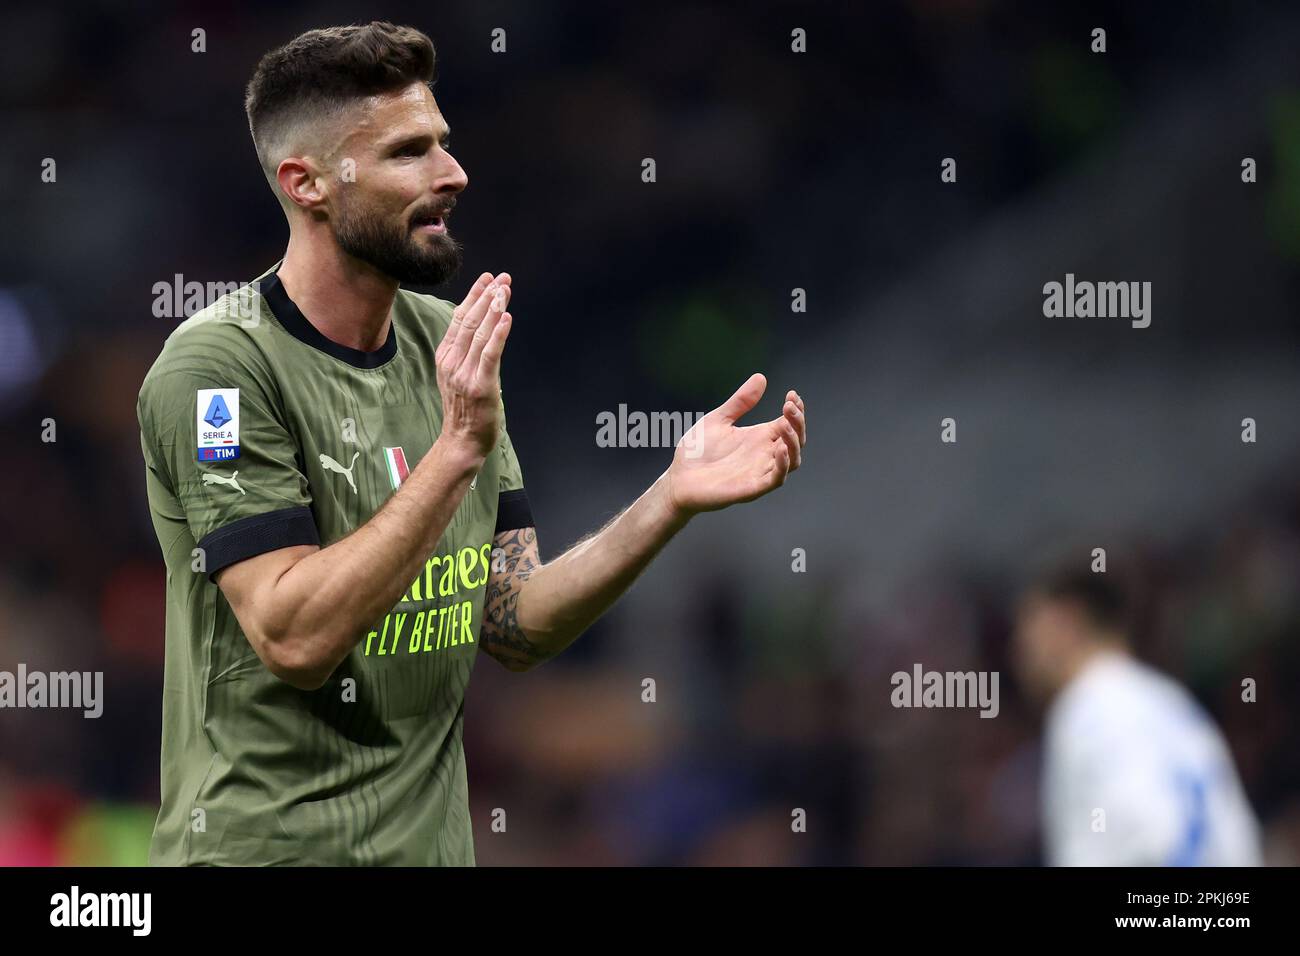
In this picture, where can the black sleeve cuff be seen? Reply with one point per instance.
(513, 511)
(258, 534)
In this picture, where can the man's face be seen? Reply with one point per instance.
(394, 215)
(1046, 633)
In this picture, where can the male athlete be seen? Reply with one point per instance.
(1135, 772)
(339, 504)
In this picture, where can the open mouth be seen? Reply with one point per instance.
(428, 223)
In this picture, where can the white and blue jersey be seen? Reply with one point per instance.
(1136, 774)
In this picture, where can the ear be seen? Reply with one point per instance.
(301, 183)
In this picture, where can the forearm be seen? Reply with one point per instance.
(324, 603)
(561, 599)
(532, 611)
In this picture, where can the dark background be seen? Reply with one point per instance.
(776, 170)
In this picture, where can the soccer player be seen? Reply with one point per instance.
(338, 501)
(1135, 772)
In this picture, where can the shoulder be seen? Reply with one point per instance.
(427, 305)
(221, 346)
(426, 315)
(1115, 706)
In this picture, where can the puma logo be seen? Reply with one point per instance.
(210, 479)
(331, 465)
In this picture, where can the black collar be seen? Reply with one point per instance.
(296, 324)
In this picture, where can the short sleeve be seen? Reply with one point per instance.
(513, 509)
(219, 444)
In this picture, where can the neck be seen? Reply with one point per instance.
(348, 301)
(1075, 663)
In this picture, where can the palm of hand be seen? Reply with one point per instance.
(718, 463)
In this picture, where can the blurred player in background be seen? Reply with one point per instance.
(1135, 772)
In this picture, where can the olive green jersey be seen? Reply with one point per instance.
(260, 433)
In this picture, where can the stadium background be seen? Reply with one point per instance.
(775, 171)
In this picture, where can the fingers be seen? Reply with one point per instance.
(471, 319)
(776, 473)
(790, 442)
(490, 362)
(746, 397)
(458, 313)
(471, 297)
(794, 412)
(495, 310)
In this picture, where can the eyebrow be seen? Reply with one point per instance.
(396, 144)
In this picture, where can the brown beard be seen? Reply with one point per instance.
(393, 249)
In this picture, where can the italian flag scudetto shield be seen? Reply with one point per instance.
(397, 468)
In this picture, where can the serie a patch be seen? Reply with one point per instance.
(217, 411)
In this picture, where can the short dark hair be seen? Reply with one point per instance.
(1104, 597)
(319, 72)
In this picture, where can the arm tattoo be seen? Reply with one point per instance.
(515, 557)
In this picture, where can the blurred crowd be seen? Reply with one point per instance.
(790, 708)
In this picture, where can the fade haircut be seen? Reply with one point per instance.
(303, 86)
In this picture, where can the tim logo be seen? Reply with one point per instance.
(217, 424)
